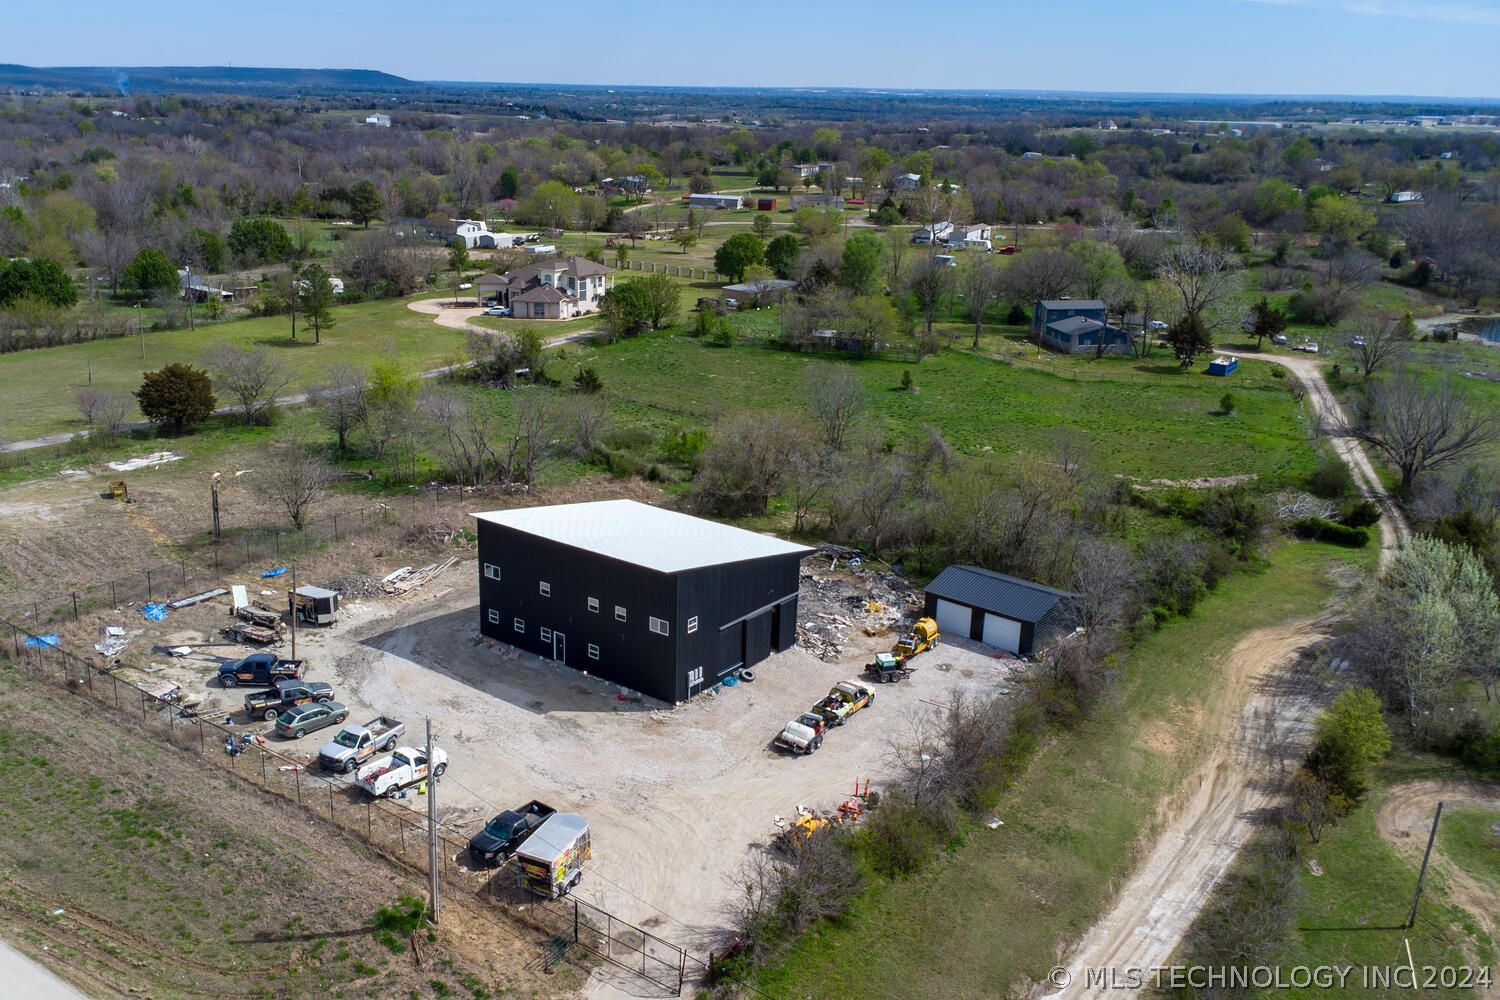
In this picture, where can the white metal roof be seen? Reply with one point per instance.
(637, 533)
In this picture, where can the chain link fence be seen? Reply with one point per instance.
(386, 825)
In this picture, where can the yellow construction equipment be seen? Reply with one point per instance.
(923, 635)
(117, 491)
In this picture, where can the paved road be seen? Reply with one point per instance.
(24, 978)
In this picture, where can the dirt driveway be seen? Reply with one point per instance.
(1265, 714)
(675, 797)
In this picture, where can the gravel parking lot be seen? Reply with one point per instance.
(675, 797)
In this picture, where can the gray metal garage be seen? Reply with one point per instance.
(999, 610)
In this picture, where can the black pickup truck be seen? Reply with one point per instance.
(269, 704)
(259, 668)
(508, 831)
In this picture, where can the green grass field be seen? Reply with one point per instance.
(40, 383)
(1355, 911)
(1071, 822)
(1145, 424)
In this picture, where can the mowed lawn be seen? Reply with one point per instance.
(40, 383)
(1164, 427)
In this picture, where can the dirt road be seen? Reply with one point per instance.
(1260, 725)
(1332, 422)
(1405, 818)
(1263, 717)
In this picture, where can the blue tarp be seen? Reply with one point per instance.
(155, 612)
(50, 639)
(273, 572)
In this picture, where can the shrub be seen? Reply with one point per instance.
(1331, 479)
(1320, 529)
(1359, 514)
(1226, 403)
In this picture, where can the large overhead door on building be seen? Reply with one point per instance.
(954, 619)
(1002, 632)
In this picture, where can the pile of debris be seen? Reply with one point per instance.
(355, 587)
(406, 579)
(873, 602)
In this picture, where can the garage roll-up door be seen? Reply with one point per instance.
(1002, 632)
(953, 619)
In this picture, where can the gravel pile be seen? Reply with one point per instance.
(355, 588)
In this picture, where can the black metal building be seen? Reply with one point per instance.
(660, 602)
(999, 610)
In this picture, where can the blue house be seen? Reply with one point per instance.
(1076, 326)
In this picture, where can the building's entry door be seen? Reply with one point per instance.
(559, 647)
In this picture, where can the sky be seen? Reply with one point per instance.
(1354, 47)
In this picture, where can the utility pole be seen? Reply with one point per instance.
(432, 828)
(292, 604)
(1411, 918)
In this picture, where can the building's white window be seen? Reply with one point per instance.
(492, 571)
(494, 616)
(594, 604)
(657, 625)
(545, 635)
(593, 651)
(520, 625)
(692, 625)
(544, 588)
(619, 613)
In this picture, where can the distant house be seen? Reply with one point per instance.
(906, 182)
(383, 121)
(548, 289)
(1076, 326)
(971, 231)
(729, 201)
(999, 610)
(938, 232)
(817, 201)
(760, 291)
(478, 236)
(1399, 197)
(195, 288)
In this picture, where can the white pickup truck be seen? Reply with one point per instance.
(406, 767)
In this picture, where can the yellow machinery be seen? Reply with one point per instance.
(923, 635)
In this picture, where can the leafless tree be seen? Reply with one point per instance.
(252, 375)
(1310, 804)
(89, 399)
(836, 398)
(461, 434)
(114, 410)
(1037, 275)
(339, 400)
(929, 281)
(900, 245)
(296, 478)
(1379, 341)
(531, 439)
(1421, 427)
(746, 462)
(582, 418)
(1202, 278)
(980, 283)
